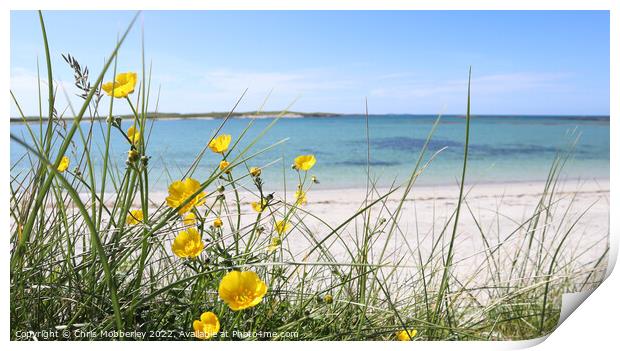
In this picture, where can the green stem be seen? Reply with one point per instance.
(91, 227)
(446, 270)
(61, 152)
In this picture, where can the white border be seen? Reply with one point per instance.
(593, 325)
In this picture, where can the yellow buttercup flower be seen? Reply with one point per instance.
(275, 243)
(189, 219)
(134, 217)
(328, 298)
(123, 85)
(220, 144)
(64, 164)
(241, 290)
(180, 191)
(255, 171)
(259, 206)
(188, 243)
(218, 222)
(207, 327)
(223, 165)
(304, 162)
(133, 134)
(404, 336)
(282, 227)
(300, 197)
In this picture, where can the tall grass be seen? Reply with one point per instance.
(77, 266)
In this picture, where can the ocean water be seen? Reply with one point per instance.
(502, 148)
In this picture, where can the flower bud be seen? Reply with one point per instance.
(328, 298)
(217, 223)
(255, 171)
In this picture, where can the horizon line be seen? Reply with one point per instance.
(323, 114)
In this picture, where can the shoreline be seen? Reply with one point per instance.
(418, 192)
(527, 187)
(484, 183)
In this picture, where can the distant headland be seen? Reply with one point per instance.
(296, 114)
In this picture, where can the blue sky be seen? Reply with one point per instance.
(524, 62)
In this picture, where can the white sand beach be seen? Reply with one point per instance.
(498, 210)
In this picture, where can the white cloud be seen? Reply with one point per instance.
(227, 80)
(488, 84)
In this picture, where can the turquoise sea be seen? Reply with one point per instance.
(502, 148)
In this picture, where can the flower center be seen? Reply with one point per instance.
(244, 297)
